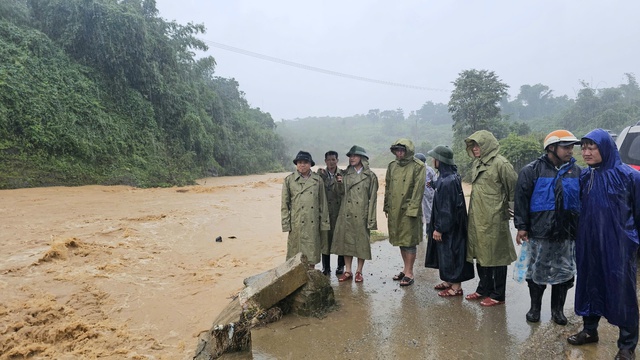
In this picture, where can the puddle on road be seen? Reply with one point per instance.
(378, 319)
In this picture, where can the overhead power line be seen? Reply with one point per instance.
(316, 69)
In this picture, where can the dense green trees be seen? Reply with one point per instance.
(474, 102)
(608, 108)
(105, 91)
(534, 102)
(535, 108)
(474, 105)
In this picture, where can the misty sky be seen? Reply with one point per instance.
(422, 43)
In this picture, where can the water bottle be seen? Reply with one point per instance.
(521, 265)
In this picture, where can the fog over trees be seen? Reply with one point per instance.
(109, 92)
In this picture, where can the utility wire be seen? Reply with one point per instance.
(313, 68)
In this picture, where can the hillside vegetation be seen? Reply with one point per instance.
(108, 92)
(520, 123)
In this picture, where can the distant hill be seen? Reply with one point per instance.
(320, 134)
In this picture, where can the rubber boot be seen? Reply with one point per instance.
(558, 296)
(535, 292)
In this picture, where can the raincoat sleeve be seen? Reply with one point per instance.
(387, 180)
(635, 198)
(340, 187)
(325, 225)
(285, 207)
(509, 179)
(415, 202)
(524, 190)
(372, 222)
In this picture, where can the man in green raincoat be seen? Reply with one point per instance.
(304, 210)
(493, 179)
(404, 188)
(331, 176)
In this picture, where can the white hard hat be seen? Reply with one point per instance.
(560, 137)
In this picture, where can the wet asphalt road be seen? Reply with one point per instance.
(378, 319)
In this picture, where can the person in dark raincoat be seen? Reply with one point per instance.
(447, 231)
(404, 185)
(547, 206)
(607, 244)
(357, 216)
(304, 210)
(493, 184)
(330, 176)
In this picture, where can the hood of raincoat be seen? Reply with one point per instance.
(408, 155)
(607, 148)
(489, 145)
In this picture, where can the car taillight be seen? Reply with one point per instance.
(637, 167)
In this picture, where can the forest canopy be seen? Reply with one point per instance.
(107, 92)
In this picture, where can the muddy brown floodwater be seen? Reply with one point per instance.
(125, 273)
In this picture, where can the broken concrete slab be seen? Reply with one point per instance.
(276, 284)
(314, 298)
(231, 331)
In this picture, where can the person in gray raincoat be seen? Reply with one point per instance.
(404, 189)
(494, 180)
(304, 210)
(429, 191)
(357, 216)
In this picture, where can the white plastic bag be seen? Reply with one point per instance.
(522, 264)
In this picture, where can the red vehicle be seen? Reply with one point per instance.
(628, 143)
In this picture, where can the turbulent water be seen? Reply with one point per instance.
(119, 272)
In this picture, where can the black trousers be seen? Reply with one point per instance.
(628, 338)
(493, 281)
(326, 264)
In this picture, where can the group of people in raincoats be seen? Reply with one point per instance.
(331, 212)
(457, 238)
(574, 222)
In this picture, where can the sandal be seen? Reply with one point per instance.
(442, 286)
(474, 296)
(490, 302)
(406, 281)
(398, 277)
(346, 276)
(448, 292)
(358, 277)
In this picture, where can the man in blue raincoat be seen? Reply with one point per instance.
(607, 244)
